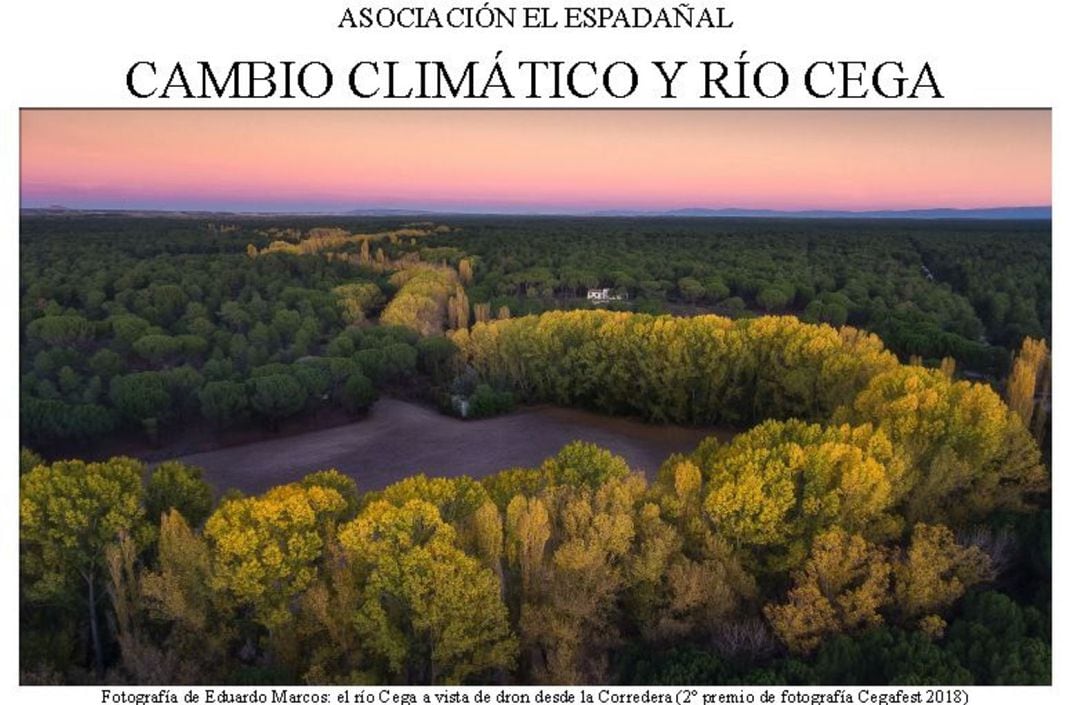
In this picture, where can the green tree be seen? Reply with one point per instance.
(156, 348)
(277, 396)
(691, 289)
(357, 300)
(584, 464)
(140, 396)
(28, 460)
(1001, 642)
(888, 656)
(436, 356)
(358, 393)
(69, 513)
(486, 401)
(106, 364)
(223, 403)
(174, 485)
(773, 298)
(716, 289)
(128, 328)
(67, 329)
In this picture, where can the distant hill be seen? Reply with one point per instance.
(395, 212)
(1006, 213)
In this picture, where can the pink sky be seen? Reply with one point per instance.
(531, 160)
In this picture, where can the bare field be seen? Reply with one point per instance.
(399, 439)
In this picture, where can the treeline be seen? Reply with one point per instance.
(699, 370)
(429, 299)
(968, 290)
(956, 440)
(129, 329)
(565, 573)
(144, 325)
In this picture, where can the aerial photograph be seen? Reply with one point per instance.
(524, 397)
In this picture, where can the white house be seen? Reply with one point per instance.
(600, 296)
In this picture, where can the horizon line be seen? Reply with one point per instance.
(1026, 212)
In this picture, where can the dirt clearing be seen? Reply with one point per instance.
(399, 439)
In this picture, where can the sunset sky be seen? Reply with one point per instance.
(534, 161)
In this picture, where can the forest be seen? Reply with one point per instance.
(968, 290)
(883, 515)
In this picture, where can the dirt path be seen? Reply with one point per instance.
(399, 439)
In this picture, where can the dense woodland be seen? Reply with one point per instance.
(147, 326)
(136, 325)
(968, 290)
(882, 518)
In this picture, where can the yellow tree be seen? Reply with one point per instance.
(505, 485)
(179, 593)
(328, 646)
(421, 300)
(1042, 406)
(145, 657)
(339, 482)
(426, 611)
(465, 270)
(460, 306)
(778, 485)
(481, 535)
(464, 504)
(933, 573)
(528, 529)
(265, 550)
(570, 590)
(704, 583)
(356, 300)
(843, 587)
(678, 491)
(1027, 371)
(455, 497)
(676, 594)
(581, 463)
(482, 312)
(969, 454)
(702, 369)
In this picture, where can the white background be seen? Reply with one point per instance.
(76, 53)
(989, 54)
